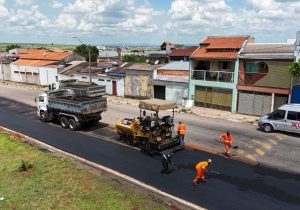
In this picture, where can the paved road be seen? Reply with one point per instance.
(279, 150)
(240, 186)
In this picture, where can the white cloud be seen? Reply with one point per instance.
(23, 2)
(66, 21)
(57, 4)
(84, 26)
(3, 10)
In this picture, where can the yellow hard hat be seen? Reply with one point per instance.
(209, 161)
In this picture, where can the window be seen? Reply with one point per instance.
(108, 81)
(41, 99)
(102, 80)
(252, 67)
(224, 65)
(277, 115)
(293, 116)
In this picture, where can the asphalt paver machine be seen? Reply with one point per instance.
(151, 133)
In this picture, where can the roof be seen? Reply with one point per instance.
(170, 78)
(42, 54)
(142, 67)
(36, 63)
(268, 51)
(220, 47)
(166, 43)
(156, 104)
(180, 65)
(183, 52)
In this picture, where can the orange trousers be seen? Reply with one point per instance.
(200, 175)
(227, 148)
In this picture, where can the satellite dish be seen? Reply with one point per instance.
(156, 62)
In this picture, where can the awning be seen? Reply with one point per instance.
(156, 105)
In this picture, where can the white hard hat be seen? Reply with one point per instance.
(209, 161)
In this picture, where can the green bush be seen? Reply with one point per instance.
(294, 69)
(25, 166)
(134, 58)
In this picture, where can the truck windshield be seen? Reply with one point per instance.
(278, 114)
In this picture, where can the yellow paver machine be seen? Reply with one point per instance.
(151, 133)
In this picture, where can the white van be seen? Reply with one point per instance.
(285, 118)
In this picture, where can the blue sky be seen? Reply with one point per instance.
(146, 21)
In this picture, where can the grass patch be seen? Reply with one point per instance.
(53, 183)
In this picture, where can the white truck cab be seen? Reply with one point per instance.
(42, 103)
(285, 118)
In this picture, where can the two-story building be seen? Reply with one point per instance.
(264, 81)
(214, 72)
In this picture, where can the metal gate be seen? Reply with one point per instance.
(216, 98)
(254, 103)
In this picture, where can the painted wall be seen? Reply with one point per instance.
(176, 92)
(138, 84)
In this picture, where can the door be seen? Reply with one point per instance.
(293, 122)
(160, 92)
(114, 86)
(278, 119)
(254, 103)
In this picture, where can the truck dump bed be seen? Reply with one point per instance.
(84, 89)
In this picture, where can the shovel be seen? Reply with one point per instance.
(233, 147)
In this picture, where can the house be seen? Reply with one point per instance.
(264, 80)
(170, 82)
(107, 55)
(5, 60)
(105, 73)
(295, 97)
(138, 80)
(182, 54)
(164, 45)
(214, 72)
(39, 66)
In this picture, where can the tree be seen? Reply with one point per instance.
(134, 58)
(83, 50)
(294, 69)
(11, 46)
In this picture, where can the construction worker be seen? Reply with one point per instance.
(227, 139)
(165, 161)
(201, 169)
(181, 133)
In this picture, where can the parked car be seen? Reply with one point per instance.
(285, 118)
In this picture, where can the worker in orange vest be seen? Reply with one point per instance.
(201, 169)
(227, 139)
(181, 133)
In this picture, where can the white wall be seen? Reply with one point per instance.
(176, 93)
(47, 75)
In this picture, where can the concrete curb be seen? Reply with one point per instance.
(170, 198)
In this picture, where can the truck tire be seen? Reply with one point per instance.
(268, 128)
(43, 116)
(64, 122)
(72, 124)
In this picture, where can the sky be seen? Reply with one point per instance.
(150, 22)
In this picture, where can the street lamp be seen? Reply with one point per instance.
(89, 48)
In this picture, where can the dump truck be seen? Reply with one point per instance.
(72, 105)
(152, 134)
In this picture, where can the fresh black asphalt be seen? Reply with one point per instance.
(240, 186)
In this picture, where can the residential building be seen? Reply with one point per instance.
(170, 82)
(182, 54)
(138, 80)
(264, 81)
(214, 72)
(5, 60)
(295, 97)
(164, 45)
(39, 66)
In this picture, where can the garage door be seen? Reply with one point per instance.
(160, 92)
(254, 103)
(216, 98)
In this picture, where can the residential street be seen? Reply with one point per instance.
(239, 186)
(278, 150)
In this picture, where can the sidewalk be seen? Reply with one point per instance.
(198, 111)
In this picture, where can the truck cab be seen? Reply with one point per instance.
(42, 103)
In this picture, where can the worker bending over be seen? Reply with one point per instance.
(201, 169)
(181, 133)
(165, 161)
(227, 139)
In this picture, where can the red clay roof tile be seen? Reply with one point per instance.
(183, 52)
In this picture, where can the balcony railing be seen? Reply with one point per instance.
(214, 76)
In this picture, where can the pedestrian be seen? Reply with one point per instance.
(201, 169)
(166, 159)
(227, 139)
(181, 132)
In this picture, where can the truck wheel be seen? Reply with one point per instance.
(268, 128)
(72, 124)
(43, 117)
(64, 122)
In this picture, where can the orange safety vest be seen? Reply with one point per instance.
(181, 129)
(227, 139)
(202, 165)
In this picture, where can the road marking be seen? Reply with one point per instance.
(265, 145)
(251, 157)
(260, 152)
(240, 151)
(272, 141)
(249, 145)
